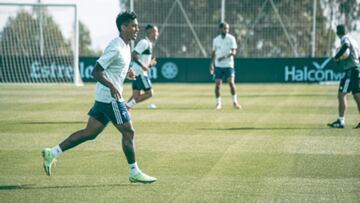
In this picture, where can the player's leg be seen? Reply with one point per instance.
(92, 129)
(147, 95)
(231, 81)
(342, 101)
(128, 144)
(127, 131)
(217, 93)
(342, 104)
(356, 90)
(135, 93)
(357, 99)
(141, 83)
(132, 97)
(146, 86)
(123, 123)
(132, 101)
(218, 75)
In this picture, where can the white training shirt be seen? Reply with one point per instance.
(115, 61)
(144, 49)
(222, 47)
(353, 59)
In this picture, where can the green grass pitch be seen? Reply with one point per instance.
(277, 149)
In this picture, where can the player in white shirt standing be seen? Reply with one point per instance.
(350, 82)
(110, 71)
(222, 56)
(142, 56)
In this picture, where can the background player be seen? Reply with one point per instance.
(351, 80)
(142, 56)
(224, 50)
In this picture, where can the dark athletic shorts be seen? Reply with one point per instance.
(116, 112)
(141, 82)
(223, 73)
(350, 82)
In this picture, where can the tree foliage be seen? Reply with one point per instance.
(28, 35)
(350, 12)
(85, 41)
(263, 28)
(279, 28)
(32, 33)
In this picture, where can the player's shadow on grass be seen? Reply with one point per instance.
(34, 187)
(193, 108)
(285, 95)
(52, 122)
(259, 128)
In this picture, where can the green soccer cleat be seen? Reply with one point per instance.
(141, 178)
(49, 159)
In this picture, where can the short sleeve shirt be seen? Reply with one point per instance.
(144, 49)
(353, 59)
(222, 47)
(115, 61)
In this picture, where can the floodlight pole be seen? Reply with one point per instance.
(313, 35)
(77, 76)
(132, 44)
(222, 10)
(40, 18)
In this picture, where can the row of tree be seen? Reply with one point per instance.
(31, 33)
(263, 28)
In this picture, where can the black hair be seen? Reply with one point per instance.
(124, 18)
(222, 25)
(149, 27)
(341, 29)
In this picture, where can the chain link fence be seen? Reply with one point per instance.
(263, 28)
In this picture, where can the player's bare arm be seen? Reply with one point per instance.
(131, 74)
(99, 76)
(342, 50)
(231, 53)
(135, 57)
(212, 62)
(153, 62)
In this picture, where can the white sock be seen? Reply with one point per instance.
(131, 103)
(134, 169)
(342, 120)
(56, 150)
(234, 98)
(218, 100)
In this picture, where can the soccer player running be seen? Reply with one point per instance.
(142, 56)
(351, 80)
(222, 56)
(110, 71)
